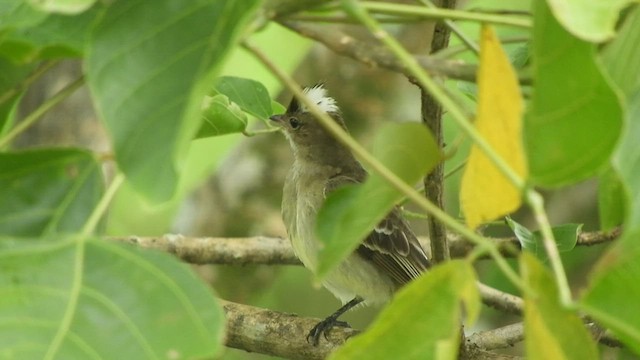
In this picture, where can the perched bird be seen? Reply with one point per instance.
(388, 258)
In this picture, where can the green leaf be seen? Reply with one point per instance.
(553, 332)
(222, 117)
(55, 36)
(18, 14)
(621, 56)
(611, 200)
(250, 95)
(566, 237)
(121, 302)
(148, 66)
(575, 117)
(348, 216)
(62, 6)
(626, 161)
(589, 20)
(47, 191)
(614, 289)
(423, 319)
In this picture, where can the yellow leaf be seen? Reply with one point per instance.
(486, 193)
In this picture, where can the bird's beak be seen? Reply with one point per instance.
(277, 118)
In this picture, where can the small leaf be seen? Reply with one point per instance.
(409, 151)
(148, 81)
(423, 319)
(552, 332)
(45, 192)
(277, 108)
(250, 95)
(566, 237)
(486, 193)
(593, 21)
(126, 303)
(575, 118)
(222, 117)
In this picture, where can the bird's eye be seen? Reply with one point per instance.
(294, 122)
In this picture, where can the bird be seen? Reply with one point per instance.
(389, 257)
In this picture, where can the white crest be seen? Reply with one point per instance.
(318, 94)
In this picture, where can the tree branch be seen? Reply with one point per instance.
(432, 117)
(278, 334)
(278, 251)
(378, 56)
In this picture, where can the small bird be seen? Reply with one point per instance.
(388, 258)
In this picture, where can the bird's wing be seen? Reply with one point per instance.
(391, 246)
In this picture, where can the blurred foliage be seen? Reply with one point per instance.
(145, 108)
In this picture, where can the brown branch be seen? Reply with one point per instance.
(432, 118)
(228, 251)
(278, 334)
(278, 251)
(376, 55)
(501, 300)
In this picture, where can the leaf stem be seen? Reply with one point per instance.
(380, 169)
(536, 203)
(78, 264)
(466, 40)
(35, 75)
(441, 13)
(41, 110)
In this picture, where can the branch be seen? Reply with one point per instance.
(280, 334)
(278, 251)
(378, 56)
(432, 118)
(228, 251)
(277, 334)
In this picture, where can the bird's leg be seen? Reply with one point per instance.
(332, 320)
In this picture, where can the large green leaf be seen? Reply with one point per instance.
(63, 6)
(587, 19)
(52, 36)
(614, 290)
(149, 65)
(47, 191)
(552, 332)
(621, 56)
(69, 299)
(350, 214)
(575, 117)
(423, 320)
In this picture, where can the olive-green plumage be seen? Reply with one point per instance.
(388, 258)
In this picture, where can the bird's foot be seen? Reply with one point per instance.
(322, 327)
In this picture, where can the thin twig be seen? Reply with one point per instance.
(41, 110)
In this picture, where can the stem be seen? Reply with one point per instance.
(101, 208)
(41, 110)
(536, 202)
(375, 165)
(432, 117)
(35, 75)
(466, 40)
(436, 91)
(78, 263)
(439, 13)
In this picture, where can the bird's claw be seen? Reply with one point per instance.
(322, 328)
